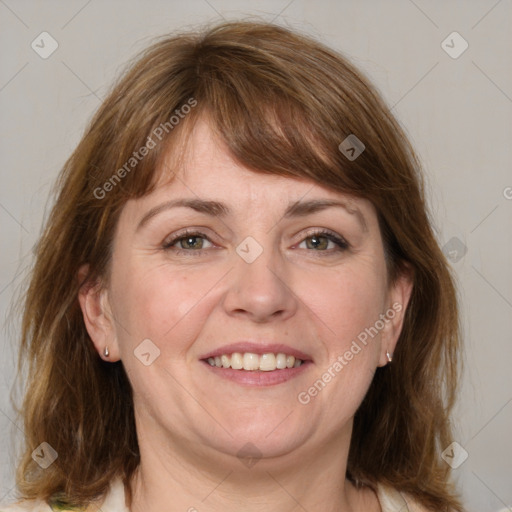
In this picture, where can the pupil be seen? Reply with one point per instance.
(190, 240)
(315, 241)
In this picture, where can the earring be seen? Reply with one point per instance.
(389, 356)
(106, 353)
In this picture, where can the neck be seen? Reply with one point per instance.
(196, 479)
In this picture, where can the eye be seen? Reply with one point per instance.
(320, 240)
(193, 242)
(188, 241)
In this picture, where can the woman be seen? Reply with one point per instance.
(238, 301)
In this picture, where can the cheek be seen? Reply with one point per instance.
(152, 303)
(347, 301)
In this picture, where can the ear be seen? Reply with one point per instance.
(98, 318)
(399, 294)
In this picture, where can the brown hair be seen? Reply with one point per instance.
(282, 103)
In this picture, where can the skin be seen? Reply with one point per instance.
(315, 297)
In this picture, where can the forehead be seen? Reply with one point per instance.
(204, 164)
(205, 168)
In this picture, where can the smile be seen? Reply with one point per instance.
(250, 361)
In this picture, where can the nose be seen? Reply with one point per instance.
(262, 290)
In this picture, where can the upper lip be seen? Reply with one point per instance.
(257, 348)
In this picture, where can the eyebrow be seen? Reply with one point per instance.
(217, 209)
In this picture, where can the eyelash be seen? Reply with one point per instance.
(342, 244)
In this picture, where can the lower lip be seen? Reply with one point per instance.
(258, 377)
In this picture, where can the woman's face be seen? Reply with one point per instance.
(266, 268)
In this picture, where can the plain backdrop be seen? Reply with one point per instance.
(455, 105)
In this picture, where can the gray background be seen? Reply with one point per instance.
(457, 112)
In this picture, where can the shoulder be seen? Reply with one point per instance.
(114, 501)
(392, 500)
(38, 505)
(27, 506)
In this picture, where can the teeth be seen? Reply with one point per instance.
(281, 361)
(268, 362)
(237, 361)
(250, 362)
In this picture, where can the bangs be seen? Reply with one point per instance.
(268, 135)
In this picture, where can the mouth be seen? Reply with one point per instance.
(249, 361)
(256, 364)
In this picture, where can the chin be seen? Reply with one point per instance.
(260, 440)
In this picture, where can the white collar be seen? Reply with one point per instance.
(115, 500)
(391, 500)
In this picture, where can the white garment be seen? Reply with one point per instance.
(390, 501)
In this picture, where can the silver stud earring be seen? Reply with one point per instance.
(106, 353)
(389, 356)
